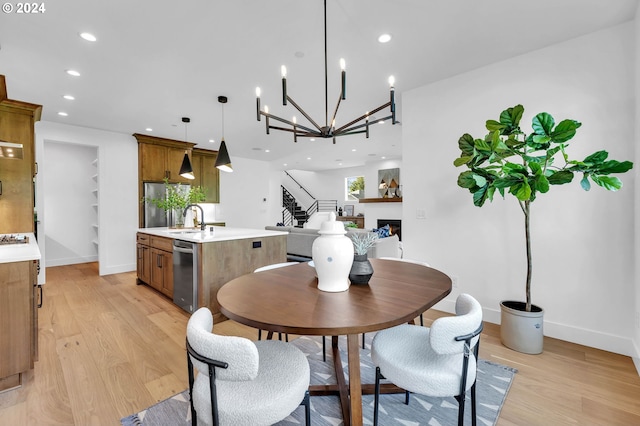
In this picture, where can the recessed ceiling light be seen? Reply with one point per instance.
(384, 158)
(267, 150)
(308, 158)
(88, 36)
(149, 129)
(211, 140)
(63, 114)
(73, 73)
(312, 139)
(285, 164)
(68, 97)
(384, 38)
(353, 150)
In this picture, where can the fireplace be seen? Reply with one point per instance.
(395, 225)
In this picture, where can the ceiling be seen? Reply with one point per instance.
(157, 61)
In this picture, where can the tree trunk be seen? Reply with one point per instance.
(528, 242)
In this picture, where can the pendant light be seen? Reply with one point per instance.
(186, 171)
(223, 162)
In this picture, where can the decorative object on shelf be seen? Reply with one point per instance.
(186, 171)
(223, 162)
(340, 211)
(332, 254)
(508, 159)
(361, 270)
(388, 182)
(348, 209)
(329, 129)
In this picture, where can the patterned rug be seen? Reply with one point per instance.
(493, 383)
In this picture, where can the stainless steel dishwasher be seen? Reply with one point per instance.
(185, 275)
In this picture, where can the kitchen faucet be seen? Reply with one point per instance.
(203, 226)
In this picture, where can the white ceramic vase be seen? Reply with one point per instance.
(332, 254)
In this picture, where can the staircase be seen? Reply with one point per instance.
(291, 209)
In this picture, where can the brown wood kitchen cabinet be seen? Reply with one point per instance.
(155, 262)
(18, 320)
(160, 158)
(17, 120)
(207, 175)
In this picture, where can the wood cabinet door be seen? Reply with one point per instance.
(174, 162)
(167, 282)
(157, 269)
(153, 161)
(162, 271)
(16, 317)
(207, 176)
(144, 263)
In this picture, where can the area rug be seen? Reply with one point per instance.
(493, 383)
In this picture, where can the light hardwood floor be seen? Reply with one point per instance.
(109, 348)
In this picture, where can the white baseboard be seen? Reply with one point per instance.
(116, 269)
(582, 336)
(69, 261)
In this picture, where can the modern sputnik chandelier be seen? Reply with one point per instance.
(329, 129)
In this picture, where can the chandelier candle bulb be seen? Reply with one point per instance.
(258, 103)
(344, 79)
(283, 69)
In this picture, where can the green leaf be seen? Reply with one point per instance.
(522, 191)
(493, 125)
(507, 181)
(541, 139)
(535, 168)
(510, 117)
(541, 183)
(510, 168)
(482, 145)
(480, 196)
(610, 183)
(596, 157)
(613, 166)
(465, 180)
(461, 161)
(584, 182)
(560, 177)
(542, 124)
(565, 130)
(466, 145)
(480, 180)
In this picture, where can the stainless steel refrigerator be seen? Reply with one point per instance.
(155, 217)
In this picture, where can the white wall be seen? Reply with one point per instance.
(583, 244)
(69, 201)
(247, 198)
(117, 190)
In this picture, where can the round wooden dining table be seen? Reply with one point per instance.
(287, 300)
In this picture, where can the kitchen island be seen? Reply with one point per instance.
(220, 254)
(19, 264)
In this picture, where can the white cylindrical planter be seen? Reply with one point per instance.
(332, 254)
(520, 330)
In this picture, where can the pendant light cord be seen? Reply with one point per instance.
(326, 90)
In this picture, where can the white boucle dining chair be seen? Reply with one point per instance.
(439, 361)
(240, 382)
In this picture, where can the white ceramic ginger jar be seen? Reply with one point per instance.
(332, 254)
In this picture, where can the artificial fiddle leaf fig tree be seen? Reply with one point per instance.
(524, 165)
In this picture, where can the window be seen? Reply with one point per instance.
(354, 188)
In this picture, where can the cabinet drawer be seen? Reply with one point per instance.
(142, 238)
(162, 243)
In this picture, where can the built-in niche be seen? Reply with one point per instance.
(389, 183)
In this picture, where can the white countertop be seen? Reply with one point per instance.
(20, 252)
(220, 233)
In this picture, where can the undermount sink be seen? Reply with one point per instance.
(191, 231)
